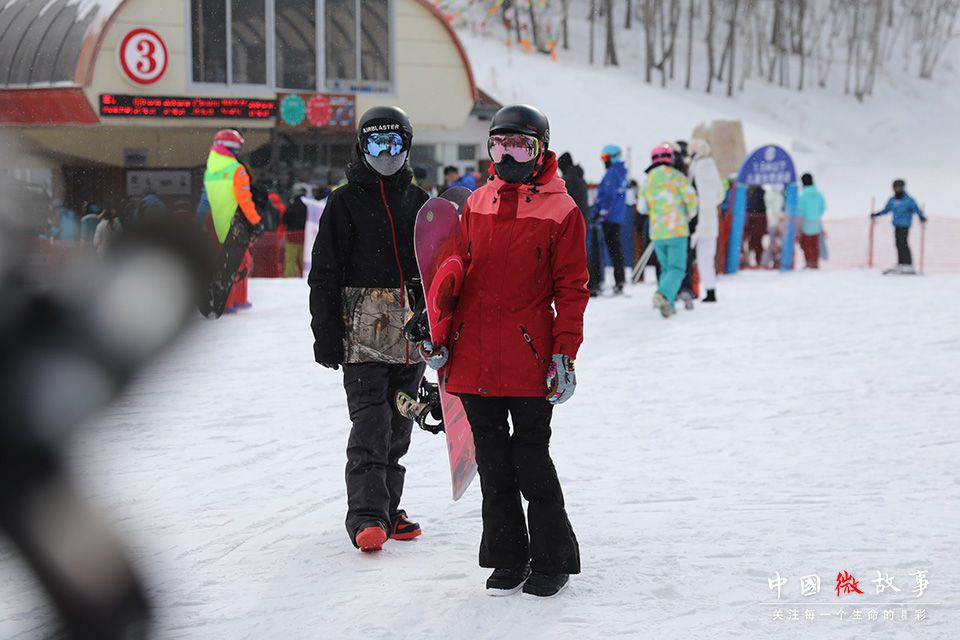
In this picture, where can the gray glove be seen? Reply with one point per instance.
(435, 357)
(561, 379)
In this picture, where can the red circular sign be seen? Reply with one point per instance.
(318, 111)
(143, 56)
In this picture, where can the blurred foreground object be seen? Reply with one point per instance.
(68, 345)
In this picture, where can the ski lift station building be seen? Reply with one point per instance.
(102, 99)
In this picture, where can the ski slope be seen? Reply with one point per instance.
(805, 424)
(907, 129)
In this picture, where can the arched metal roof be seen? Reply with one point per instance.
(54, 42)
(42, 41)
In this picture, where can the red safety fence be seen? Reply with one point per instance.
(936, 248)
(269, 251)
(268, 255)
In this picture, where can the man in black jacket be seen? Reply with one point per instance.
(362, 256)
(577, 188)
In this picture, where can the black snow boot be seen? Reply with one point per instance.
(711, 296)
(504, 582)
(545, 585)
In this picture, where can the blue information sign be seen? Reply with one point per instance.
(767, 165)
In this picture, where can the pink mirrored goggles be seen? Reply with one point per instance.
(520, 147)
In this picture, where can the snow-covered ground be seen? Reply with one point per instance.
(907, 129)
(807, 424)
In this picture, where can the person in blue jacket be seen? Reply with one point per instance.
(903, 207)
(68, 227)
(452, 178)
(611, 208)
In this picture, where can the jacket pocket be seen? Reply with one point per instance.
(529, 341)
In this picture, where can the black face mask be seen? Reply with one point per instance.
(510, 170)
(607, 163)
(898, 194)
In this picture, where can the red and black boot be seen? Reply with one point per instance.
(404, 529)
(370, 537)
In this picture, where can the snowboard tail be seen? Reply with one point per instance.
(228, 263)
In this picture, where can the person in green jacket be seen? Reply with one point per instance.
(810, 209)
(671, 202)
(226, 187)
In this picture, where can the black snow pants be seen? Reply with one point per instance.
(379, 438)
(515, 464)
(594, 263)
(902, 235)
(611, 234)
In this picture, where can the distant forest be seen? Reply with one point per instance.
(789, 43)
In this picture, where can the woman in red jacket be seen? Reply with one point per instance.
(525, 254)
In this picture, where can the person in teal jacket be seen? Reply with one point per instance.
(810, 209)
(903, 207)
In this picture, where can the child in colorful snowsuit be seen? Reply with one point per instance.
(672, 202)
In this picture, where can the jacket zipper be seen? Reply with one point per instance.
(529, 341)
(396, 254)
(453, 346)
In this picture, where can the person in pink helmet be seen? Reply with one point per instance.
(671, 202)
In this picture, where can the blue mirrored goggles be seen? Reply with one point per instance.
(391, 142)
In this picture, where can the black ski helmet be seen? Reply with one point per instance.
(522, 118)
(385, 119)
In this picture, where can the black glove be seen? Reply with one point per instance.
(331, 359)
(874, 215)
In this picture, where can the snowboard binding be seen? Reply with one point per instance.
(425, 409)
(417, 328)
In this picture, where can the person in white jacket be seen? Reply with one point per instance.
(108, 232)
(706, 178)
(773, 197)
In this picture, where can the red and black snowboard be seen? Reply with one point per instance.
(436, 236)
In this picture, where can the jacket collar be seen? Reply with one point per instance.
(546, 179)
(659, 163)
(224, 151)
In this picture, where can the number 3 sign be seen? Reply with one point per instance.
(143, 56)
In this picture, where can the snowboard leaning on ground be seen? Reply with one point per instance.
(228, 263)
(436, 236)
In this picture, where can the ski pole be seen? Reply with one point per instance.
(873, 222)
(923, 240)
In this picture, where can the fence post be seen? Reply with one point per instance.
(873, 222)
(923, 238)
